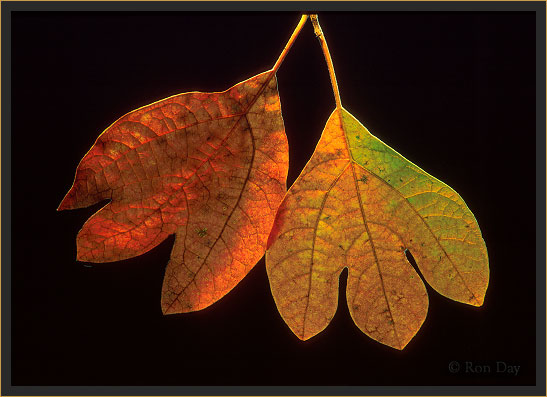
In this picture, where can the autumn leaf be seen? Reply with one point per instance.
(358, 204)
(209, 168)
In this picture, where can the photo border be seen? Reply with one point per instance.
(539, 7)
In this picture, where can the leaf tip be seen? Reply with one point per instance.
(304, 337)
(172, 305)
(68, 202)
(477, 301)
(168, 309)
(84, 254)
(401, 345)
(304, 334)
(63, 206)
(81, 257)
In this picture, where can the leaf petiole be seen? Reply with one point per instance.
(291, 41)
(321, 37)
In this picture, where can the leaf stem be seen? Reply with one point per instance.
(289, 44)
(321, 37)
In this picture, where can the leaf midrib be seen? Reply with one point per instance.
(363, 215)
(225, 223)
(244, 114)
(407, 202)
(240, 115)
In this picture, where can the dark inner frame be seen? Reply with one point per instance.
(460, 103)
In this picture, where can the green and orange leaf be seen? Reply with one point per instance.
(358, 204)
(209, 168)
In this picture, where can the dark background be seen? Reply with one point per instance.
(452, 92)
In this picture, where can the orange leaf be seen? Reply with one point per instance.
(358, 204)
(208, 167)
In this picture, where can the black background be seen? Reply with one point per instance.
(453, 92)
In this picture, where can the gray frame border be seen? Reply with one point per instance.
(539, 7)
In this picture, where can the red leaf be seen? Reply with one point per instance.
(208, 167)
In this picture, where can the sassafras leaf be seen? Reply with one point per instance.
(209, 168)
(359, 204)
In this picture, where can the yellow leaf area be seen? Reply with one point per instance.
(359, 204)
(209, 168)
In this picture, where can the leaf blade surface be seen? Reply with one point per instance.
(208, 167)
(359, 204)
